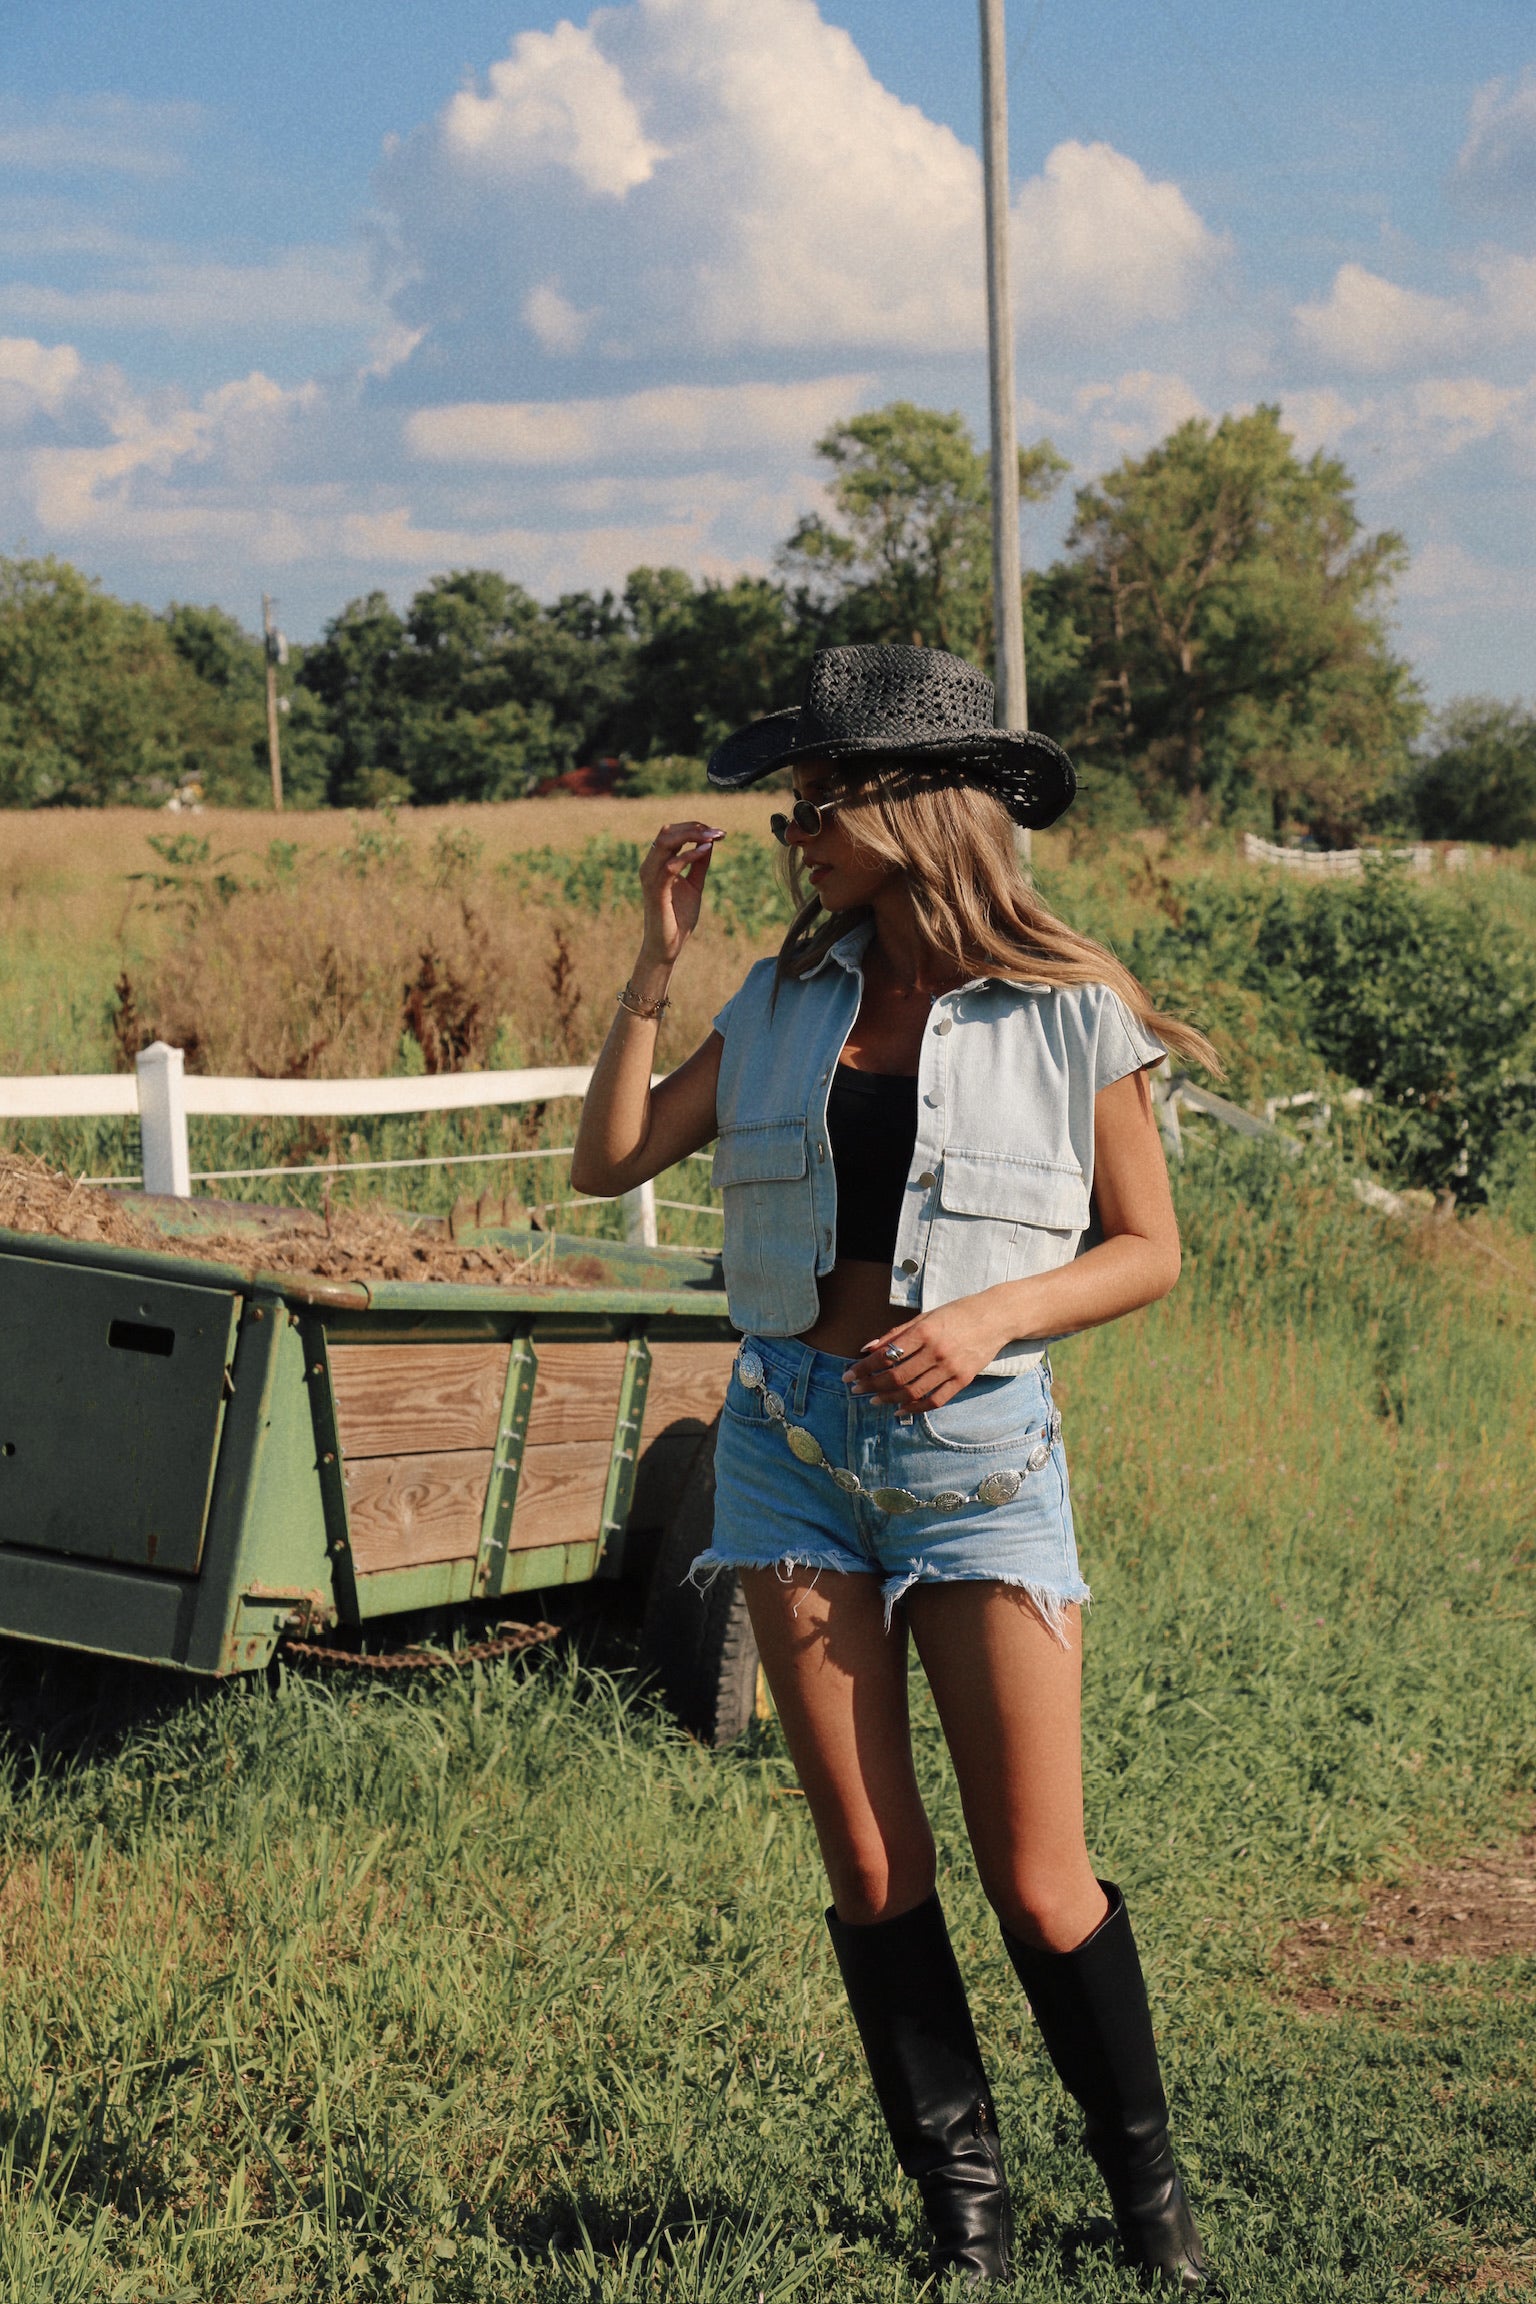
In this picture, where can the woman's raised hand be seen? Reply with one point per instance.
(672, 880)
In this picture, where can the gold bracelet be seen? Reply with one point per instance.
(651, 1011)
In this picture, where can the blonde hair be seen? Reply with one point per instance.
(954, 847)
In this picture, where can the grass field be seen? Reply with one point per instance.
(493, 1986)
(304, 947)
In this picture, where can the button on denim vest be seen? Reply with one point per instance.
(1002, 1172)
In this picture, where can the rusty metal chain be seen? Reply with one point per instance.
(424, 1659)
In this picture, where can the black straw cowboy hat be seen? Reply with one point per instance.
(921, 708)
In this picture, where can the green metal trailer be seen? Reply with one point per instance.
(197, 1460)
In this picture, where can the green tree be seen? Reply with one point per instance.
(498, 691)
(1478, 779)
(228, 745)
(354, 675)
(474, 694)
(907, 552)
(498, 754)
(96, 705)
(1230, 611)
(708, 658)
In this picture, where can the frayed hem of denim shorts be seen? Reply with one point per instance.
(1049, 1605)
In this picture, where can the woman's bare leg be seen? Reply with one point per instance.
(1009, 1695)
(839, 1682)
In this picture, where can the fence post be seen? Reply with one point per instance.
(639, 1209)
(1165, 1103)
(163, 1152)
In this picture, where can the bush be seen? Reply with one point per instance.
(667, 772)
(748, 893)
(1512, 1180)
(1429, 1004)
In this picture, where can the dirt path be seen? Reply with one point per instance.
(1483, 1907)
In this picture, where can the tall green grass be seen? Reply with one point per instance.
(496, 1987)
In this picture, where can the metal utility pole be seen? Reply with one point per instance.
(276, 653)
(1007, 579)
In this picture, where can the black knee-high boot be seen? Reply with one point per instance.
(913, 2018)
(1091, 2007)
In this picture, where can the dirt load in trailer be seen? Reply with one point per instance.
(223, 1426)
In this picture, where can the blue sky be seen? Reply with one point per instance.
(318, 300)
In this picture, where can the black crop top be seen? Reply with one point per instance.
(872, 1127)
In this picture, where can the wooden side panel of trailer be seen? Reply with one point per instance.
(428, 1444)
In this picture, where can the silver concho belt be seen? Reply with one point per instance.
(997, 1488)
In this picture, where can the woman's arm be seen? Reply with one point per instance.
(1136, 1262)
(630, 1133)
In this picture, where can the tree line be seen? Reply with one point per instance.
(1213, 645)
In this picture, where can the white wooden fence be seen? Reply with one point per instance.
(1343, 863)
(161, 1094)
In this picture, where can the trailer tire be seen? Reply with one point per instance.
(698, 1642)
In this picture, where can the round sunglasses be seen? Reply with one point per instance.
(807, 817)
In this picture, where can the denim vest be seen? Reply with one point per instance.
(1002, 1171)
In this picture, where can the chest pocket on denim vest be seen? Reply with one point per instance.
(1025, 1216)
(770, 1235)
(760, 1152)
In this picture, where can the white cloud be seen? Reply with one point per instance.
(1465, 617)
(1400, 437)
(640, 265)
(35, 378)
(295, 289)
(1366, 323)
(555, 320)
(1445, 574)
(757, 191)
(255, 476)
(555, 102)
(1094, 232)
(1125, 417)
(546, 560)
(95, 135)
(1320, 418)
(1497, 163)
(677, 422)
(104, 487)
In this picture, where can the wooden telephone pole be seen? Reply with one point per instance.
(1007, 576)
(276, 653)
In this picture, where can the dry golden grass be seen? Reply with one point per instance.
(50, 855)
(339, 979)
(310, 974)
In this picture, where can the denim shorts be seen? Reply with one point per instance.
(809, 1475)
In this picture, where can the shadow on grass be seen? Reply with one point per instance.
(63, 1708)
(687, 2233)
(689, 2229)
(60, 1707)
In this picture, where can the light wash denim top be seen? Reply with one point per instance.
(1002, 1171)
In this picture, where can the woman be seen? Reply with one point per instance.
(914, 1107)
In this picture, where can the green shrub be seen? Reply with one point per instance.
(1512, 1179)
(1427, 1002)
(667, 772)
(746, 886)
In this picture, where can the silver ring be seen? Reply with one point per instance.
(895, 1352)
